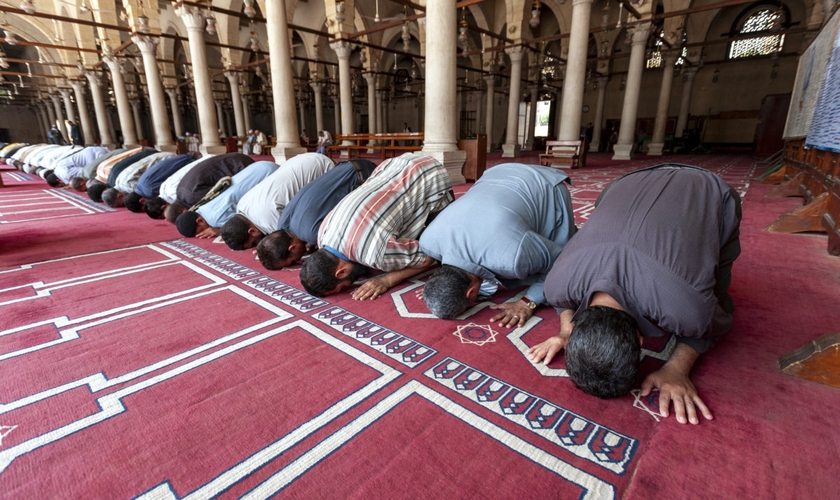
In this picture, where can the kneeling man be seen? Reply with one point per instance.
(654, 258)
(506, 230)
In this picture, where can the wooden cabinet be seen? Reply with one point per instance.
(476, 156)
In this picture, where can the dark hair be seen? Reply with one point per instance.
(274, 248)
(446, 292)
(602, 356)
(172, 211)
(317, 274)
(94, 191)
(134, 202)
(154, 207)
(110, 196)
(187, 223)
(235, 232)
(76, 183)
(52, 179)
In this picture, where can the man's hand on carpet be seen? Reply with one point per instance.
(675, 386)
(371, 289)
(210, 232)
(513, 314)
(546, 350)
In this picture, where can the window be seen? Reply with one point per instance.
(762, 20)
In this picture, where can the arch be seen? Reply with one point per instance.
(762, 17)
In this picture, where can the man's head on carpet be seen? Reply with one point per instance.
(113, 198)
(325, 274)
(447, 293)
(241, 234)
(53, 180)
(602, 356)
(280, 249)
(134, 202)
(190, 223)
(154, 207)
(78, 183)
(172, 211)
(95, 190)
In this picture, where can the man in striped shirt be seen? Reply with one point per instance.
(377, 226)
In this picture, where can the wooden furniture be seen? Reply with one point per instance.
(395, 144)
(559, 154)
(476, 156)
(814, 175)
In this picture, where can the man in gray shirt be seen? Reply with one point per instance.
(506, 230)
(654, 258)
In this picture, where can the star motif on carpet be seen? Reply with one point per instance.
(472, 333)
(5, 430)
(645, 403)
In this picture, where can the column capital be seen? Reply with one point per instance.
(515, 53)
(690, 72)
(490, 79)
(602, 81)
(575, 2)
(342, 48)
(316, 86)
(54, 98)
(78, 86)
(192, 17)
(669, 57)
(171, 92)
(65, 93)
(112, 63)
(92, 78)
(146, 43)
(232, 77)
(370, 78)
(641, 33)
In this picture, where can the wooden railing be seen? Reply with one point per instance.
(395, 143)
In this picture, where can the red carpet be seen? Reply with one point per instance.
(136, 364)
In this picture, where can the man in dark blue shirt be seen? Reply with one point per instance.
(297, 233)
(149, 184)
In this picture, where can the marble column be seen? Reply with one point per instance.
(337, 111)
(135, 112)
(157, 101)
(207, 122)
(302, 110)
(575, 81)
(598, 124)
(105, 137)
(532, 118)
(685, 103)
(246, 112)
(491, 101)
(59, 115)
(380, 123)
(657, 142)
(441, 89)
(84, 115)
(627, 133)
(342, 49)
(176, 112)
(319, 105)
(51, 114)
(283, 86)
(373, 126)
(220, 117)
(510, 149)
(236, 99)
(129, 133)
(40, 119)
(68, 104)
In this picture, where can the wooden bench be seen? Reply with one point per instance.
(564, 153)
(814, 175)
(396, 143)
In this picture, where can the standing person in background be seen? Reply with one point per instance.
(75, 134)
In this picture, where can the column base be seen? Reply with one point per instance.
(130, 146)
(655, 148)
(212, 150)
(623, 152)
(166, 148)
(453, 162)
(282, 154)
(510, 150)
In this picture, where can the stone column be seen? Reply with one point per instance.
(157, 103)
(68, 104)
(382, 127)
(532, 117)
(220, 117)
(236, 98)
(207, 122)
(558, 113)
(342, 49)
(40, 119)
(51, 114)
(59, 115)
(337, 111)
(510, 149)
(441, 91)
(123, 107)
(135, 112)
(685, 103)
(176, 112)
(657, 142)
(319, 105)
(302, 110)
(84, 116)
(246, 112)
(599, 111)
(627, 133)
(370, 78)
(575, 81)
(491, 97)
(105, 137)
(283, 87)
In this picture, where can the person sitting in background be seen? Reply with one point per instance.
(260, 143)
(248, 145)
(324, 140)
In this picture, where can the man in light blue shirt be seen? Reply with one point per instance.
(206, 220)
(507, 230)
